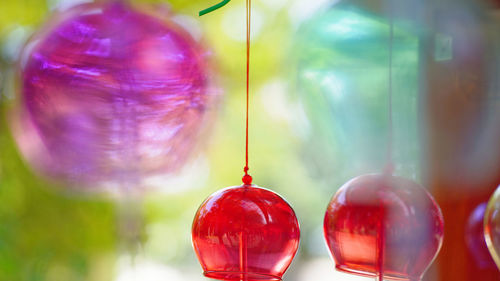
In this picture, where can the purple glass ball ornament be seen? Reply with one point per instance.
(111, 93)
(474, 238)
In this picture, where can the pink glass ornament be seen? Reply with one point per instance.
(383, 225)
(111, 93)
(245, 233)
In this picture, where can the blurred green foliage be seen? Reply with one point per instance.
(43, 233)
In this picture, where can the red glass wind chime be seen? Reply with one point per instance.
(245, 232)
(383, 225)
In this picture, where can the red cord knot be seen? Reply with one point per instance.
(247, 179)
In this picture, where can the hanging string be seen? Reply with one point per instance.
(247, 179)
(389, 165)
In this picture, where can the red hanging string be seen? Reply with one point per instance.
(389, 165)
(389, 168)
(247, 179)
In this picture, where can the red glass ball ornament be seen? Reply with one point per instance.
(245, 233)
(383, 225)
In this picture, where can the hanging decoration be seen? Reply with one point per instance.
(340, 58)
(492, 226)
(111, 93)
(475, 240)
(245, 232)
(383, 225)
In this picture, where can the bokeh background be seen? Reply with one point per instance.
(319, 116)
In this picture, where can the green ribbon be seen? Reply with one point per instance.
(214, 7)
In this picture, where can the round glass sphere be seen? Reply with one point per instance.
(383, 225)
(474, 238)
(245, 233)
(111, 93)
(341, 56)
(492, 226)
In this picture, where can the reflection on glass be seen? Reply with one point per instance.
(383, 225)
(492, 226)
(245, 233)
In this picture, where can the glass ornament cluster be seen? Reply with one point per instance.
(113, 93)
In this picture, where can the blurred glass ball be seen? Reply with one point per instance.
(492, 226)
(342, 59)
(383, 224)
(111, 93)
(474, 238)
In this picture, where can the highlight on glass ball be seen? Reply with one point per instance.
(475, 240)
(245, 233)
(383, 226)
(112, 93)
(492, 226)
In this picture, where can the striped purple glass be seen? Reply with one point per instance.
(110, 93)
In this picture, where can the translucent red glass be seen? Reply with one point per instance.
(245, 233)
(382, 225)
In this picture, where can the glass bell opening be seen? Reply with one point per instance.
(248, 276)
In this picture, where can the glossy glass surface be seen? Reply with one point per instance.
(111, 93)
(492, 226)
(383, 224)
(245, 233)
(474, 239)
(461, 132)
